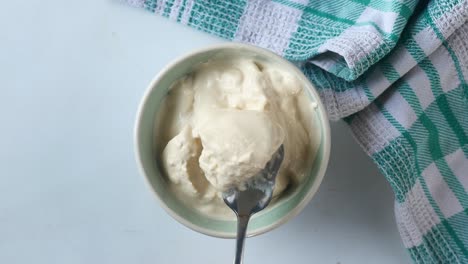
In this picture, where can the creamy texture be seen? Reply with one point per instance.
(222, 123)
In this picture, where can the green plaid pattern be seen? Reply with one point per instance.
(396, 71)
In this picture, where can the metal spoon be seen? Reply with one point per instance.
(256, 196)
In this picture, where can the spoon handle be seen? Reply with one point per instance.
(242, 222)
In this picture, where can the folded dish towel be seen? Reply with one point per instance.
(396, 71)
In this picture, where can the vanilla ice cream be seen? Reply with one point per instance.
(221, 124)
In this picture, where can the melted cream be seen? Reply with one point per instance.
(223, 122)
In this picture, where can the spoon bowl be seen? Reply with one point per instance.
(254, 197)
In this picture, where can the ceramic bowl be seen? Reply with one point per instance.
(275, 214)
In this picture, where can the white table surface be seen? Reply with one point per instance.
(71, 77)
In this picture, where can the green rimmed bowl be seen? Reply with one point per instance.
(274, 215)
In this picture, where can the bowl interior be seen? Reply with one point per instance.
(273, 215)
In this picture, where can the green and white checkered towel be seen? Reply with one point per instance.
(396, 71)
